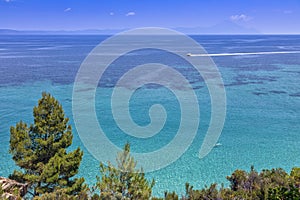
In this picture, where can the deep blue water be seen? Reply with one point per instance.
(262, 126)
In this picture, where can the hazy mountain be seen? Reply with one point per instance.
(226, 27)
(8, 32)
(62, 32)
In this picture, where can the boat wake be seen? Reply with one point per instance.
(243, 54)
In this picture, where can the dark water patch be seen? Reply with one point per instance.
(197, 87)
(235, 84)
(295, 94)
(260, 67)
(277, 92)
(290, 71)
(256, 82)
(239, 83)
(68, 99)
(249, 64)
(196, 80)
(246, 77)
(259, 93)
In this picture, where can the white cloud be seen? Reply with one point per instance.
(241, 17)
(130, 14)
(67, 9)
(111, 13)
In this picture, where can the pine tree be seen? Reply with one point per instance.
(123, 181)
(40, 150)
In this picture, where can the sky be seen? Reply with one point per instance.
(266, 16)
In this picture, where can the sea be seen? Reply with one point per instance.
(261, 76)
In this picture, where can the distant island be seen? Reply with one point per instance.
(225, 27)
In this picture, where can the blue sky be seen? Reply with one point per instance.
(267, 16)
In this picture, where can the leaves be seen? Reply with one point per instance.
(268, 184)
(40, 150)
(123, 181)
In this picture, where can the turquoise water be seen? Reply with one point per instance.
(263, 101)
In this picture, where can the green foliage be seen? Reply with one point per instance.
(40, 150)
(237, 180)
(274, 184)
(295, 175)
(123, 181)
(171, 196)
(168, 196)
(284, 193)
(13, 195)
(206, 193)
(61, 195)
(1, 191)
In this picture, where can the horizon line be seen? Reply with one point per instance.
(118, 30)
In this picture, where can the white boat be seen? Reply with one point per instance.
(218, 144)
